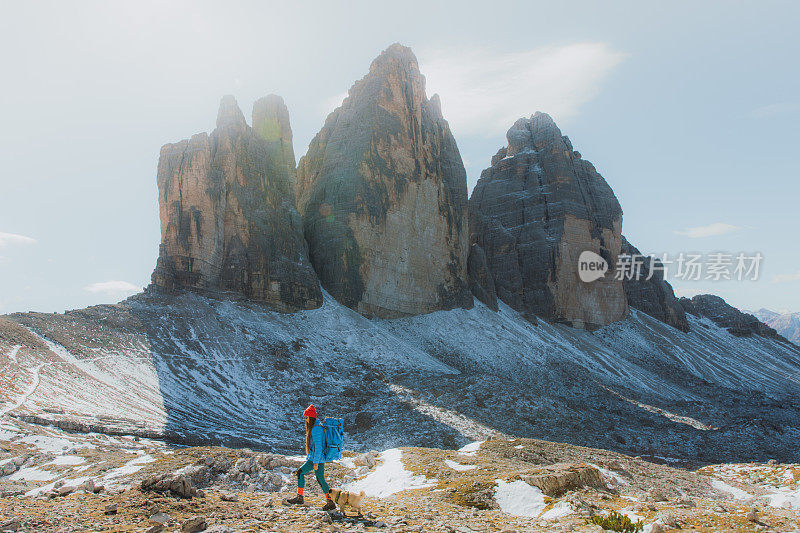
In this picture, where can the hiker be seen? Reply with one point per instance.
(315, 443)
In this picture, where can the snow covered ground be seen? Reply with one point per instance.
(458, 467)
(197, 370)
(519, 499)
(389, 477)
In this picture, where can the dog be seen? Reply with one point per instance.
(343, 499)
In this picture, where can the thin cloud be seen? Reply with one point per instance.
(774, 110)
(8, 239)
(786, 278)
(485, 92)
(113, 288)
(712, 230)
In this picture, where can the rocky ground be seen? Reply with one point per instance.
(55, 481)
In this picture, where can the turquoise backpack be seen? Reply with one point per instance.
(333, 428)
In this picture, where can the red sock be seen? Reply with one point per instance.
(300, 491)
(328, 495)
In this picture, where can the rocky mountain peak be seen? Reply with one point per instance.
(383, 194)
(228, 219)
(435, 106)
(271, 123)
(229, 114)
(539, 132)
(533, 212)
(394, 80)
(785, 322)
(727, 316)
(395, 57)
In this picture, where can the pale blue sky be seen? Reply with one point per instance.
(690, 111)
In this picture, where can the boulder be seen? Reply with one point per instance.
(160, 519)
(193, 525)
(199, 474)
(220, 464)
(11, 524)
(229, 496)
(558, 479)
(179, 485)
(383, 194)
(669, 520)
(366, 459)
(88, 486)
(656, 495)
(228, 218)
(533, 212)
(653, 296)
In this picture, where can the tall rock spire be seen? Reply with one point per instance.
(533, 212)
(383, 194)
(271, 123)
(228, 219)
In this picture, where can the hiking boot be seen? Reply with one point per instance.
(297, 500)
(329, 506)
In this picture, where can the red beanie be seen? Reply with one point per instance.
(310, 411)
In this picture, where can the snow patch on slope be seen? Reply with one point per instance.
(735, 492)
(390, 477)
(471, 448)
(458, 466)
(519, 499)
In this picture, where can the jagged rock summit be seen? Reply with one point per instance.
(383, 195)
(726, 316)
(228, 219)
(532, 212)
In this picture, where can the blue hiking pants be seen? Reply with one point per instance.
(308, 467)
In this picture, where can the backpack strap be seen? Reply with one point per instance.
(325, 436)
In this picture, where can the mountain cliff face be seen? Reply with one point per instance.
(787, 324)
(726, 316)
(383, 195)
(228, 220)
(654, 296)
(533, 211)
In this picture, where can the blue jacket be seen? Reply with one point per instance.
(316, 454)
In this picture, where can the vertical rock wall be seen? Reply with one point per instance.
(533, 211)
(228, 220)
(383, 194)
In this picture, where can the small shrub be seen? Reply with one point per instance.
(618, 522)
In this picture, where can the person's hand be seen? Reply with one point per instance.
(316, 466)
